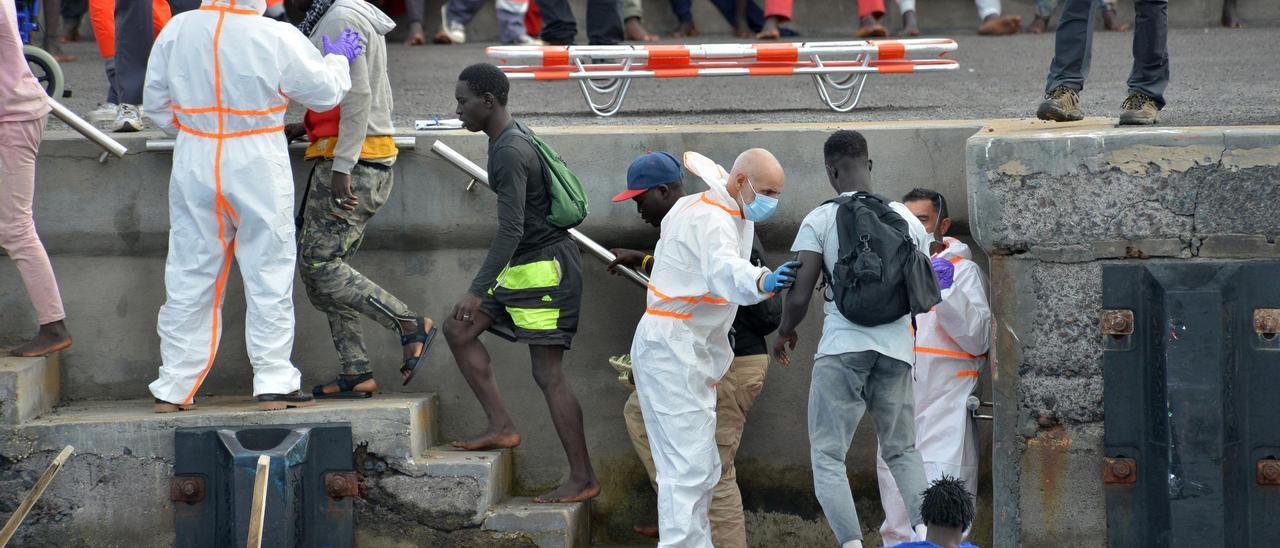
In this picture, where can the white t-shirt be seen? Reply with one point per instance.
(839, 335)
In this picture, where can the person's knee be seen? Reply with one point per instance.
(18, 237)
(548, 378)
(456, 332)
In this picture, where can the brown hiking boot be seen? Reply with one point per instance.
(1139, 110)
(1061, 105)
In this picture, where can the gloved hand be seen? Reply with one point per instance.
(781, 278)
(350, 44)
(945, 271)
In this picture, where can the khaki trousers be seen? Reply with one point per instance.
(735, 393)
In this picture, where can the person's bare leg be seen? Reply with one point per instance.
(685, 30)
(635, 31)
(566, 414)
(473, 362)
(741, 28)
(770, 30)
(910, 27)
(51, 338)
(1000, 25)
(417, 36)
(1229, 18)
(870, 27)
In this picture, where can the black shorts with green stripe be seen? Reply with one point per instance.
(536, 298)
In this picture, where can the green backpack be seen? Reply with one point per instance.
(568, 198)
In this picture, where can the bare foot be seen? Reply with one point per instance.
(997, 25)
(574, 491)
(1038, 25)
(870, 27)
(51, 338)
(770, 30)
(636, 32)
(685, 30)
(64, 58)
(909, 25)
(1111, 22)
(1229, 18)
(650, 531)
(506, 439)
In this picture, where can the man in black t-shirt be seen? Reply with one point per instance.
(528, 289)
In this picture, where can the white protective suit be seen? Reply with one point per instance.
(701, 273)
(951, 348)
(220, 79)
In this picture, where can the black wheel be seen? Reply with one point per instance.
(46, 70)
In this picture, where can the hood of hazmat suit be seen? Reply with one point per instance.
(220, 78)
(701, 273)
(951, 348)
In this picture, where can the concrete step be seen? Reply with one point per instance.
(547, 525)
(116, 486)
(446, 488)
(29, 387)
(395, 427)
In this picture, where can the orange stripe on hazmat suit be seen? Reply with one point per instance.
(217, 78)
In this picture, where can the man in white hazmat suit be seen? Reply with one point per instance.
(220, 79)
(951, 346)
(701, 273)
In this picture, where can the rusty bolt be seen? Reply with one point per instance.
(1269, 472)
(1117, 323)
(1119, 470)
(339, 485)
(1266, 321)
(186, 489)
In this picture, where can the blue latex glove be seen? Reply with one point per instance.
(781, 278)
(945, 271)
(350, 44)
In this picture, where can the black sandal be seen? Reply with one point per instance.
(346, 388)
(421, 335)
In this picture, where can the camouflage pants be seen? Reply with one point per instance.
(329, 239)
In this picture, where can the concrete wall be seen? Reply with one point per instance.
(1051, 206)
(819, 18)
(106, 228)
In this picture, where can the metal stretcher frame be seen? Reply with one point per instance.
(839, 69)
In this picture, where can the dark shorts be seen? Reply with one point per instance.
(536, 299)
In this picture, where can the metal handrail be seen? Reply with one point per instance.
(478, 174)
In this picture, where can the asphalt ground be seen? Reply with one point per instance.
(1219, 77)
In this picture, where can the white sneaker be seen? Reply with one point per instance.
(129, 120)
(104, 112)
(451, 32)
(526, 40)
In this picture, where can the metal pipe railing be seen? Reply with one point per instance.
(85, 128)
(478, 174)
(166, 145)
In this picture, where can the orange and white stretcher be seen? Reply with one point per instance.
(839, 69)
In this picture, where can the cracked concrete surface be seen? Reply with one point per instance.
(1054, 207)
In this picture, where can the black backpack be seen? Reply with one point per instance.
(879, 275)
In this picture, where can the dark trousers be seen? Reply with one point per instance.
(1150, 74)
(559, 27)
(134, 36)
(729, 9)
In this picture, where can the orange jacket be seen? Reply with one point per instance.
(102, 15)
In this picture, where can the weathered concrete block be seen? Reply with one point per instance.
(29, 387)
(447, 489)
(1061, 488)
(1086, 183)
(548, 525)
(395, 427)
(114, 491)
